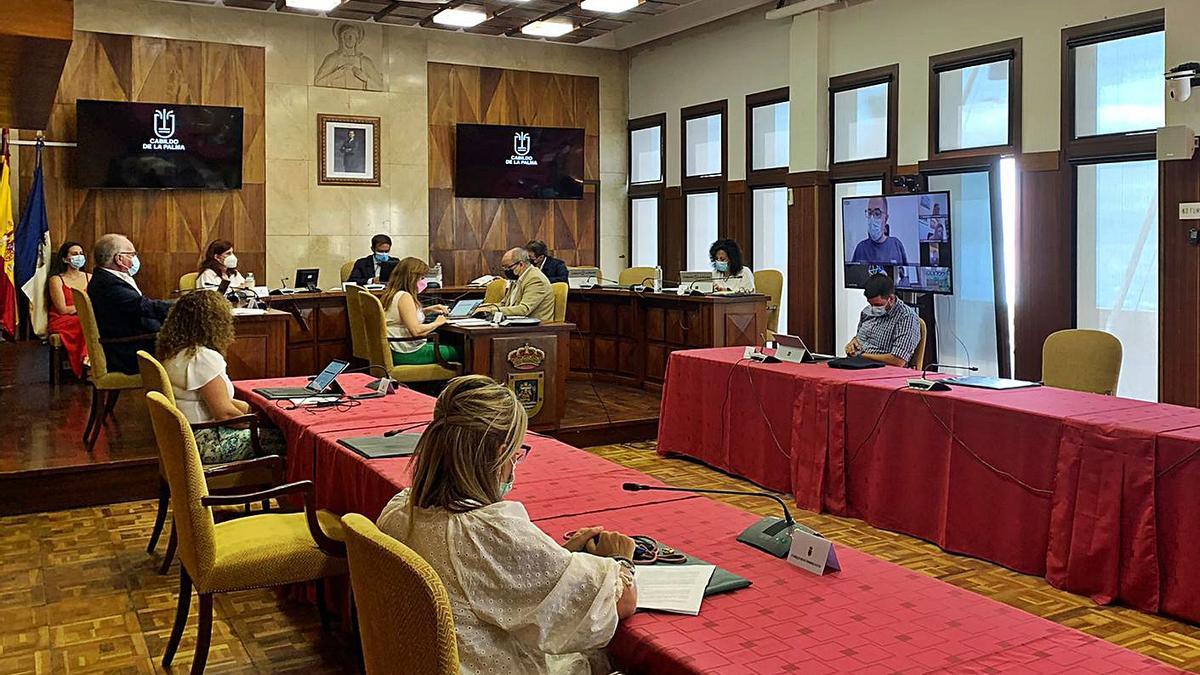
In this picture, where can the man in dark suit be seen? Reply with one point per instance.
(554, 269)
(121, 309)
(377, 267)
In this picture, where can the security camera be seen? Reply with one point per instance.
(1181, 79)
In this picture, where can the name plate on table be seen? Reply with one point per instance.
(382, 447)
(813, 553)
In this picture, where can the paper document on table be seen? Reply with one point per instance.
(247, 311)
(310, 400)
(673, 588)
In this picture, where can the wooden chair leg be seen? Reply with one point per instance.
(164, 499)
(55, 366)
(322, 610)
(203, 634)
(92, 413)
(169, 556)
(181, 616)
(110, 404)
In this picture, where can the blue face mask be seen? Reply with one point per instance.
(382, 257)
(872, 310)
(875, 229)
(77, 261)
(721, 266)
(134, 265)
(506, 488)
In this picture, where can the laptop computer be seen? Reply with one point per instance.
(324, 383)
(986, 382)
(792, 348)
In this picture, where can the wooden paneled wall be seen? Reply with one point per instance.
(35, 38)
(1179, 286)
(169, 227)
(468, 236)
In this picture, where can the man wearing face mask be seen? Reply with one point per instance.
(554, 269)
(121, 309)
(888, 330)
(377, 267)
(878, 247)
(529, 292)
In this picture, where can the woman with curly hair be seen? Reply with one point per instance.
(191, 347)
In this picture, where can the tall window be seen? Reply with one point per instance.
(975, 100)
(768, 124)
(647, 173)
(1113, 100)
(863, 116)
(704, 148)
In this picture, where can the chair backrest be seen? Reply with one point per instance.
(179, 461)
(494, 292)
(560, 300)
(91, 333)
(1083, 360)
(918, 358)
(347, 268)
(374, 323)
(187, 282)
(770, 284)
(632, 276)
(154, 376)
(358, 335)
(404, 613)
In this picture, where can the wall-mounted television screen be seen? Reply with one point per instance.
(904, 236)
(158, 146)
(507, 162)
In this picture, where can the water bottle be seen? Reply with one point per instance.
(250, 281)
(658, 279)
(437, 273)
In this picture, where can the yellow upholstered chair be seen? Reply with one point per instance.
(404, 613)
(918, 357)
(770, 284)
(493, 293)
(257, 473)
(1083, 360)
(187, 282)
(106, 386)
(347, 268)
(560, 300)
(259, 551)
(634, 276)
(358, 337)
(375, 332)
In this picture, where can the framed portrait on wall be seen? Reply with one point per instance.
(347, 150)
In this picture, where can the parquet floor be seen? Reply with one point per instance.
(79, 594)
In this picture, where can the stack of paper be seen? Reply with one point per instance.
(673, 588)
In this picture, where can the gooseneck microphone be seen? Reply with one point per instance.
(769, 534)
(926, 384)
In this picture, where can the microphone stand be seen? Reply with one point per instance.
(926, 384)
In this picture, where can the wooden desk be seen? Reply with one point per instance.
(532, 361)
(260, 348)
(318, 330)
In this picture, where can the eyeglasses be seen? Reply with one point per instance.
(878, 213)
(127, 253)
(521, 454)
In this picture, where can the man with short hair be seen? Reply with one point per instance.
(878, 247)
(888, 330)
(377, 267)
(121, 309)
(554, 269)
(529, 292)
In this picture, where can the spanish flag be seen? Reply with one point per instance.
(8, 286)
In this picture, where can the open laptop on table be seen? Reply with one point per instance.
(325, 383)
(792, 348)
(463, 309)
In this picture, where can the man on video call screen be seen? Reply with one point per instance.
(879, 246)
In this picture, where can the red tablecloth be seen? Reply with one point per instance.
(1178, 471)
(873, 616)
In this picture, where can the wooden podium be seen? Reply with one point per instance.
(260, 348)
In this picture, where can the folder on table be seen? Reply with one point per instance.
(382, 447)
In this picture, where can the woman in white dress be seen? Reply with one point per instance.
(219, 263)
(522, 602)
(729, 274)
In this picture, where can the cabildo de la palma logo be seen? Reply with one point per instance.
(522, 146)
(164, 132)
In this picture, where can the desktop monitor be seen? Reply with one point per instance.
(904, 236)
(307, 278)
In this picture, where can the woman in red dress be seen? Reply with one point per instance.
(66, 272)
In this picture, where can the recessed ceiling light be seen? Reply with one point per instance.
(462, 17)
(551, 28)
(609, 6)
(315, 5)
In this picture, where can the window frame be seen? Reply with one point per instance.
(889, 75)
(774, 177)
(1008, 50)
(717, 183)
(656, 190)
(1130, 145)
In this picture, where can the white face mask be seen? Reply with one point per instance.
(875, 229)
(876, 311)
(230, 262)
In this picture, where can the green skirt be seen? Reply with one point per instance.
(424, 355)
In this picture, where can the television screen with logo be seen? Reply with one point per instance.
(158, 146)
(505, 162)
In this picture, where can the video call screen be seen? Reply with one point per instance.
(906, 237)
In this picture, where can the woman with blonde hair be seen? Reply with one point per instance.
(522, 602)
(191, 347)
(406, 316)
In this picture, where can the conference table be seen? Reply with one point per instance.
(1095, 493)
(872, 615)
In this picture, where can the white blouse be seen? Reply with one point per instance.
(396, 327)
(189, 370)
(210, 279)
(743, 282)
(522, 603)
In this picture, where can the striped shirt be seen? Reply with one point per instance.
(897, 333)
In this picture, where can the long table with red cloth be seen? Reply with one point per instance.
(872, 616)
(1046, 481)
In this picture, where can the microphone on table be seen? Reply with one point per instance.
(926, 384)
(399, 430)
(772, 535)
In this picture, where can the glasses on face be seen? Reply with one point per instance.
(127, 253)
(521, 454)
(874, 213)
